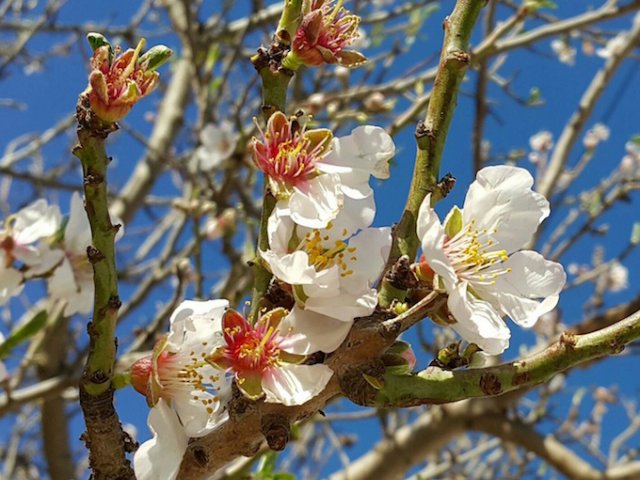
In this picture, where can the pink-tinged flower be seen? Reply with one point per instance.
(263, 362)
(477, 259)
(324, 33)
(178, 373)
(315, 178)
(118, 80)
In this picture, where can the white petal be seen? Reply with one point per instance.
(501, 197)
(187, 316)
(477, 321)
(313, 332)
(295, 384)
(10, 281)
(196, 420)
(77, 233)
(431, 233)
(292, 268)
(530, 290)
(36, 221)
(372, 248)
(160, 457)
(344, 307)
(367, 149)
(280, 228)
(318, 203)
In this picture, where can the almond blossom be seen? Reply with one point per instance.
(314, 178)
(323, 35)
(330, 272)
(476, 257)
(177, 372)
(20, 238)
(217, 143)
(264, 361)
(118, 80)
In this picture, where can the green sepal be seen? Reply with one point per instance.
(453, 222)
(376, 383)
(97, 40)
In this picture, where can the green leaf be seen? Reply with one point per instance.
(635, 234)
(636, 140)
(97, 40)
(23, 333)
(453, 222)
(155, 57)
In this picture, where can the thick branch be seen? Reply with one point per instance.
(550, 449)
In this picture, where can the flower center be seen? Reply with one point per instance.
(322, 258)
(254, 349)
(474, 256)
(289, 160)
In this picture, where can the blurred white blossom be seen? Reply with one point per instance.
(217, 143)
(564, 51)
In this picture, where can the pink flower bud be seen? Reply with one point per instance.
(323, 34)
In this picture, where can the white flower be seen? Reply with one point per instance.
(476, 260)
(618, 278)
(178, 373)
(599, 133)
(630, 163)
(564, 51)
(331, 273)
(10, 280)
(23, 231)
(159, 458)
(217, 143)
(312, 179)
(614, 46)
(541, 141)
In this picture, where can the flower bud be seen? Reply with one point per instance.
(322, 36)
(118, 80)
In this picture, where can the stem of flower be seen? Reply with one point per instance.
(432, 133)
(275, 82)
(104, 436)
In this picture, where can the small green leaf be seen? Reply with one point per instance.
(636, 140)
(453, 222)
(155, 57)
(635, 234)
(23, 333)
(97, 40)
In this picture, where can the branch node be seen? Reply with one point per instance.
(94, 255)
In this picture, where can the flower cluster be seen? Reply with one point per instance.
(37, 242)
(322, 253)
